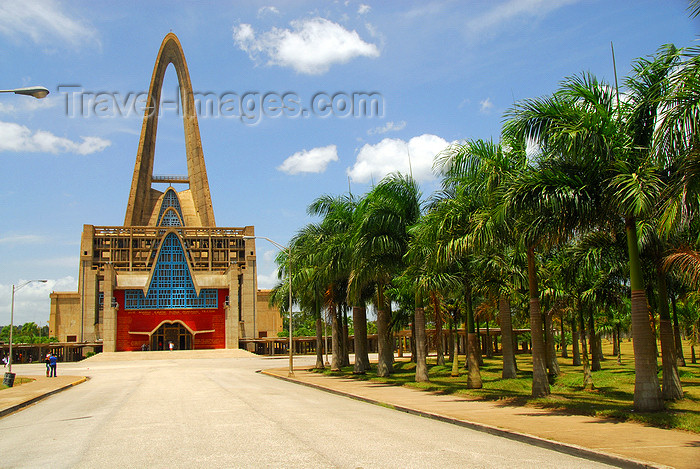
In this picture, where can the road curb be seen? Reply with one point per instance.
(567, 448)
(21, 405)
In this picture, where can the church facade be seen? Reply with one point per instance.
(168, 277)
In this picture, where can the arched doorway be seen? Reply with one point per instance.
(176, 333)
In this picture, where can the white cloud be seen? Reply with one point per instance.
(22, 239)
(18, 138)
(310, 161)
(311, 47)
(32, 302)
(6, 108)
(390, 155)
(503, 13)
(363, 9)
(267, 10)
(486, 105)
(388, 127)
(269, 256)
(267, 281)
(26, 104)
(43, 22)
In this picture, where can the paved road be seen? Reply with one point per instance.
(220, 413)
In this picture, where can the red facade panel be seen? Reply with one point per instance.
(147, 320)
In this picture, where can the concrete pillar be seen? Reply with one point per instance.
(87, 286)
(249, 291)
(109, 321)
(231, 311)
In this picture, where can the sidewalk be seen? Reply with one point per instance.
(624, 444)
(17, 397)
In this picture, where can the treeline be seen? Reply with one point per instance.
(583, 216)
(27, 333)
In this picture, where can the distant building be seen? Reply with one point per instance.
(169, 274)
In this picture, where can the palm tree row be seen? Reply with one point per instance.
(586, 205)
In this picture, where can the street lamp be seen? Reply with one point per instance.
(12, 315)
(37, 91)
(289, 280)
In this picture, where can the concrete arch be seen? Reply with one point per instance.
(171, 209)
(142, 197)
(176, 232)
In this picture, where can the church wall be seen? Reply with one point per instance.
(269, 320)
(64, 320)
(147, 320)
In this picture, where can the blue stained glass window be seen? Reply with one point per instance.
(170, 219)
(170, 200)
(171, 286)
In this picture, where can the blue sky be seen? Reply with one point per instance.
(441, 71)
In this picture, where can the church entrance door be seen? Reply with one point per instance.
(176, 333)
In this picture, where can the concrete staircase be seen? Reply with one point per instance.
(169, 355)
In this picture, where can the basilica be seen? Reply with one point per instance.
(168, 278)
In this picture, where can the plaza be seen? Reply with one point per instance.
(212, 409)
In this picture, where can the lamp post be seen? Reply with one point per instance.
(37, 91)
(12, 316)
(289, 281)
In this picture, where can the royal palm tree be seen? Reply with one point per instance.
(379, 243)
(583, 127)
(308, 277)
(473, 174)
(333, 256)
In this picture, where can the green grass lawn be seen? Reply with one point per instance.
(18, 381)
(611, 398)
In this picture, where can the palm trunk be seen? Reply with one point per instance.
(671, 383)
(507, 339)
(336, 359)
(359, 321)
(346, 337)
(619, 345)
(595, 357)
(412, 340)
(587, 377)
(562, 339)
(386, 350)
(450, 344)
(438, 329)
(455, 352)
(680, 359)
(647, 394)
(319, 343)
(420, 348)
(319, 333)
(574, 341)
(540, 384)
(552, 363)
(480, 349)
(473, 373)
(489, 345)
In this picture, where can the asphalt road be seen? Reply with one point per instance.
(220, 413)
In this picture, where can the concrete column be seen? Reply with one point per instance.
(109, 322)
(231, 311)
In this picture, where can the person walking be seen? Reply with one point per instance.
(52, 363)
